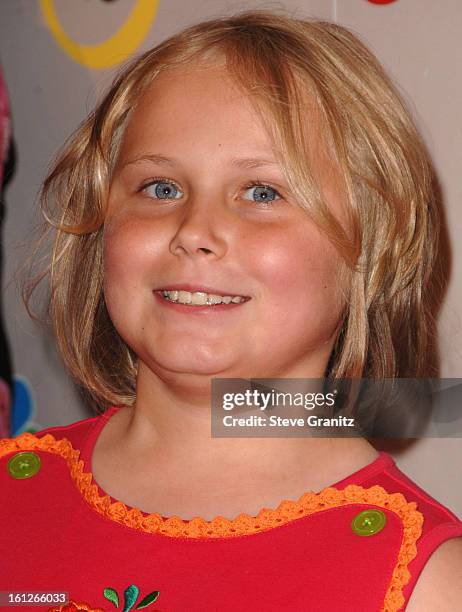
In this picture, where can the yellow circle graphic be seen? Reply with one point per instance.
(113, 50)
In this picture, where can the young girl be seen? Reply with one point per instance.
(250, 200)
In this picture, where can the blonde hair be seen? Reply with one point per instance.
(291, 65)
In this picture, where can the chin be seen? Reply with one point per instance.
(186, 360)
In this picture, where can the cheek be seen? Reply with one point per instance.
(128, 246)
(300, 273)
(117, 266)
(127, 253)
(297, 265)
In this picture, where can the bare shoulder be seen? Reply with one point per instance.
(439, 586)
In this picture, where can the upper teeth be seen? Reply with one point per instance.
(200, 298)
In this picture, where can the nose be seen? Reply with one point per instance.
(201, 230)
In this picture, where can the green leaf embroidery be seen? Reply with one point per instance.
(148, 600)
(111, 594)
(130, 596)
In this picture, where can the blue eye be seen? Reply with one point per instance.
(263, 193)
(162, 190)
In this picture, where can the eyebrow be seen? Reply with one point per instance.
(238, 162)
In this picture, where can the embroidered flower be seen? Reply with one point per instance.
(74, 606)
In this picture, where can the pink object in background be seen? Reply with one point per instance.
(5, 135)
(5, 401)
(4, 124)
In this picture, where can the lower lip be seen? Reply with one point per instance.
(195, 309)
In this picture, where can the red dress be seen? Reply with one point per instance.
(358, 545)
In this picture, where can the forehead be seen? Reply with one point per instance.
(183, 104)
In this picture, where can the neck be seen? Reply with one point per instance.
(171, 425)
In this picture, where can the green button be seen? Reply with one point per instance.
(24, 465)
(368, 522)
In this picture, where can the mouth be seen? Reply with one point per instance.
(200, 298)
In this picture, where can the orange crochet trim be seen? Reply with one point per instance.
(243, 524)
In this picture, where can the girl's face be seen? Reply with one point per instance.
(198, 200)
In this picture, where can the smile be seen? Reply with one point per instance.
(200, 298)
